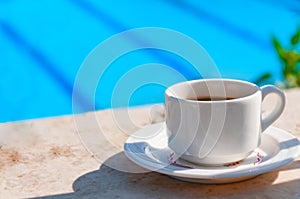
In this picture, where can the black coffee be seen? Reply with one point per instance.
(213, 98)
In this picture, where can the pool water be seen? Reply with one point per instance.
(43, 44)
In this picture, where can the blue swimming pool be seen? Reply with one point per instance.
(43, 44)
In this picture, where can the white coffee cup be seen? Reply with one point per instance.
(221, 131)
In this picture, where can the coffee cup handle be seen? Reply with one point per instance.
(274, 115)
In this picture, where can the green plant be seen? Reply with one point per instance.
(290, 61)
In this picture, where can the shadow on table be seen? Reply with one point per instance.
(107, 183)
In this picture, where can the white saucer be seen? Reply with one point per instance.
(148, 148)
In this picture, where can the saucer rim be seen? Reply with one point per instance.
(282, 158)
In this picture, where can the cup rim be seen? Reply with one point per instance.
(171, 96)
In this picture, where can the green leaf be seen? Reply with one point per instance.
(262, 78)
(276, 44)
(296, 37)
(280, 51)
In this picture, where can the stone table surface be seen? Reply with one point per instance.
(81, 156)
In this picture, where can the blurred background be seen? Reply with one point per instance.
(43, 44)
